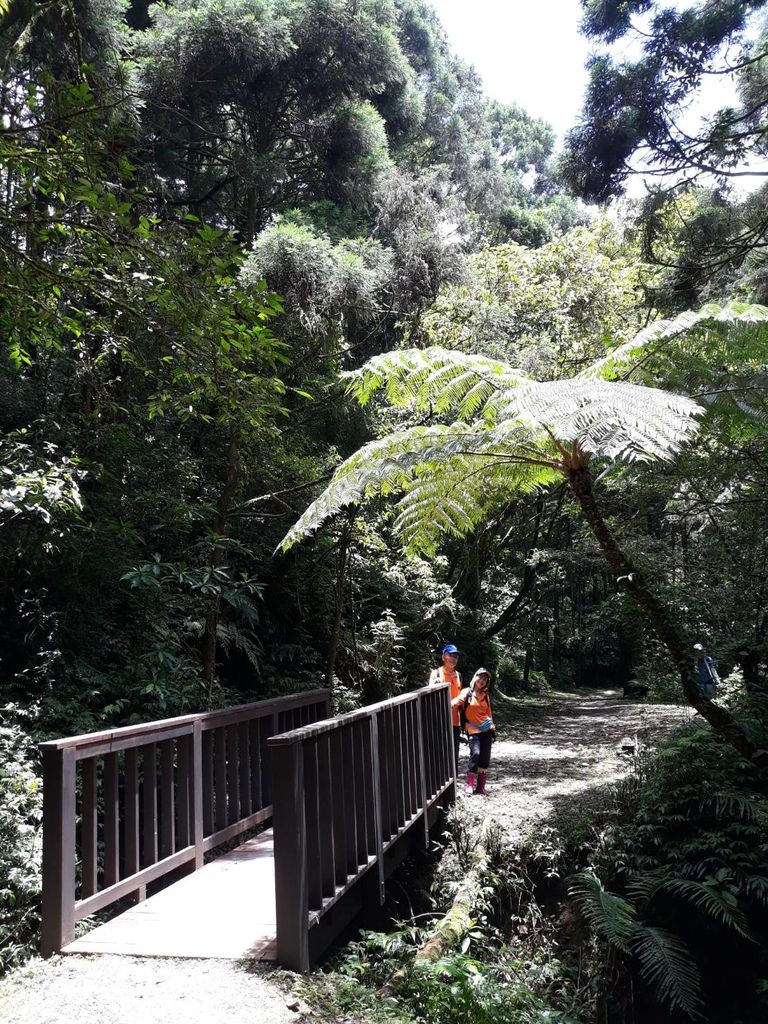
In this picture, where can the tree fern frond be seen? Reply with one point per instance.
(719, 322)
(711, 897)
(611, 916)
(616, 420)
(513, 425)
(433, 378)
(667, 965)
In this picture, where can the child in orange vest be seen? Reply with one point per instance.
(447, 674)
(480, 728)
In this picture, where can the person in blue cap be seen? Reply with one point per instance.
(707, 679)
(448, 673)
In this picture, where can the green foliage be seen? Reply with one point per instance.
(510, 443)
(684, 854)
(510, 990)
(21, 812)
(635, 104)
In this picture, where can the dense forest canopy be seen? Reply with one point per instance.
(220, 217)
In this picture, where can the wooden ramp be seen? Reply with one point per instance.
(225, 911)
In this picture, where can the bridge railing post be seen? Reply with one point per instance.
(58, 849)
(290, 830)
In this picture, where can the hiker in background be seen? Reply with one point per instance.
(481, 731)
(447, 673)
(707, 678)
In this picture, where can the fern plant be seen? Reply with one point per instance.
(488, 432)
(664, 960)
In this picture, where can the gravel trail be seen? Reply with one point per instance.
(555, 748)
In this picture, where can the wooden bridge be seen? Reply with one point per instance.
(347, 799)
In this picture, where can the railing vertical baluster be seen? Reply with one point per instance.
(58, 849)
(233, 775)
(199, 797)
(422, 777)
(254, 735)
(291, 885)
(338, 808)
(220, 778)
(184, 791)
(315, 822)
(111, 820)
(448, 739)
(245, 770)
(369, 784)
(361, 806)
(404, 753)
(131, 833)
(413, 753)
(350, 806)
(149, 798)
(377, 811)
(167, 808)
(209, 789)
(328, 859)
(88, 827)
(395, 771)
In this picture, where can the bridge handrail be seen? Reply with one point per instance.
(215, 782)
(347, 790)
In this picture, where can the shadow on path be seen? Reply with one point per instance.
(555, 748)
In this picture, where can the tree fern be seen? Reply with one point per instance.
(515, 434)
(507, 432)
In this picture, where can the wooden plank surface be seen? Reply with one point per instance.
(224, 911)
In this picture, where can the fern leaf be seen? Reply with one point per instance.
(611, 916)
(714, 899)
(666, 964)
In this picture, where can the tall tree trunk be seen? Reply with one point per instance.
(220, 526)
(631, 580)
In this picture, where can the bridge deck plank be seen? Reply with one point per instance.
(224, 911)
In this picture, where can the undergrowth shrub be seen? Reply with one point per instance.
(675, 888)
(21, 812)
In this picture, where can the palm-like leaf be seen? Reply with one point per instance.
(611, 916)
(666, 964)
(508, 434)
(718, 354)
(735, 327)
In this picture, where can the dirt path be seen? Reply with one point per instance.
(553, 749)
(556, 747)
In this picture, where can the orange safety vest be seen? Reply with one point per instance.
(477, 709)
(440, 675)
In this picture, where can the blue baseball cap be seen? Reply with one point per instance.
(450, 649)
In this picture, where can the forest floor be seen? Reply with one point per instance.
(553, 750)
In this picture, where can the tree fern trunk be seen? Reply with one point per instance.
(629, 578)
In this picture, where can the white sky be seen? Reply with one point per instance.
(531, 52)
(526, 51)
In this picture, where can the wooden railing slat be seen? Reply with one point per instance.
(149, 800)
(167, 800)
(88, 827)
(220, 778)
